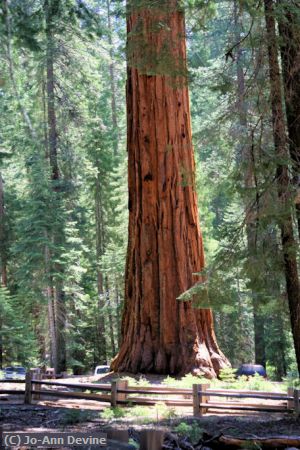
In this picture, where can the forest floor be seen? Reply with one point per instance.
(40, 418)
(78, 415)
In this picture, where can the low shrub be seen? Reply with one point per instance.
(113, 413)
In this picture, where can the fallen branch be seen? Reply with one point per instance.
(229, 442)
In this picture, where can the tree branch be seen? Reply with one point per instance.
(229, 53)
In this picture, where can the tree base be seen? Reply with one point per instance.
(202, 357)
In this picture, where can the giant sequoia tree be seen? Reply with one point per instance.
(160, 333)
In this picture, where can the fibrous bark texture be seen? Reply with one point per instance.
(160, 333)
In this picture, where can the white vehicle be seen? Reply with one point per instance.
(100, 370)
(14, 373)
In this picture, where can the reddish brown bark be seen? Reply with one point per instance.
(160, 333)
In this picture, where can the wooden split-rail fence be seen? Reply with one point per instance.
(201, 397)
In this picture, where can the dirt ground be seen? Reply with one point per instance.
(55, 415)
(21, 418)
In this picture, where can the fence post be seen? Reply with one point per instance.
(196, 400)
(122, 384)
(27, 397)
(290, 393)
(296, 402)
(36, 387)
(203, 398)
(114, 393)
(199, 397)
(152, 439)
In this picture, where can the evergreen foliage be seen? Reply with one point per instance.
(70, 234)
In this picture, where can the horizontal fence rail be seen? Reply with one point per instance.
(201, 397)
(84, 386)
(13, 381)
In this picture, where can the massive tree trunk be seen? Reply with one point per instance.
(165, 250)
(283, 181)
(289, 28)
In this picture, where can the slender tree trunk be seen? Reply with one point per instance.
(51, 307)
(1, 343)
(3, 259)
(246, 158)
(278, 324)
(112, 79)
(289, 28)
(101, 341)
(61, 313)
(38, 314)
(160, 333)
(118, 312)
(52, 329)
(110, 318)
(59, 298)
(280, 346)
(50, 86)
(3, 236)
(259, 334)
(283, 182)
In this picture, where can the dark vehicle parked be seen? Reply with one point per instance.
(14, 373)
(249, 370)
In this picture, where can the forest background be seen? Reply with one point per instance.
(63, 183)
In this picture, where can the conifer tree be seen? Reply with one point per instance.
(282, 179)
(288, 14)
(161, 334)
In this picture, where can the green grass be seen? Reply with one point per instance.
(141, 382)
(141, 414)
(185, 382)
(242, 383)
(113, 413)
(255, 382)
